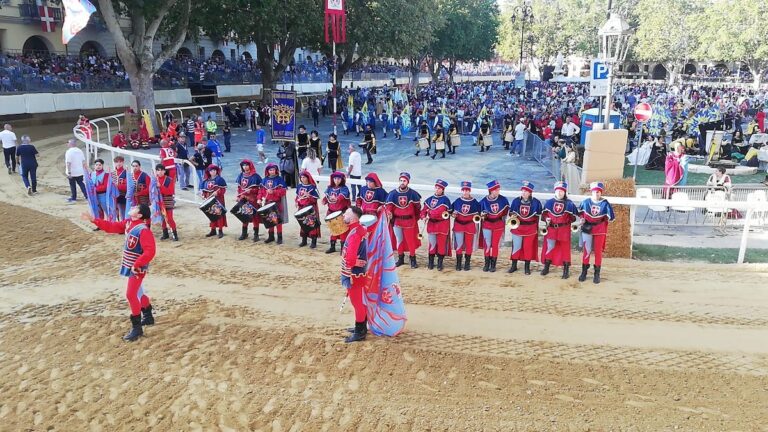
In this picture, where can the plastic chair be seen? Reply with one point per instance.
(716, 208)
(647, 193)
(680, 199)
(758, 196)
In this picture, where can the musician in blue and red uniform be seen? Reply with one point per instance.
(166, 186)
(119, 179)
(307, 195)
(597, 213)
(465, 210)
(273, 190)
(404, 205)
(438, 227)
(493, 208)
(558, 214)
(214, 184)
(168, 157)
(100, 182)
(354, 266)
(372, 196)
(525, 238)
(248, 189)
(138, 252)
(141, 182)
(337, 199)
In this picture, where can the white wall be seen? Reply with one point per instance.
(37, 103)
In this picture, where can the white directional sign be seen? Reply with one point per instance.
(598, 78)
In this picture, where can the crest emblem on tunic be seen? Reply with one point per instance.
(559, 207)
(269, 184)
(465, 208)
(433, 202)
(244, 182)
(210, 185)
(132, 241)
(595, 209)
(494, 208)
(368, 195)
(402, 201)
(525, 210)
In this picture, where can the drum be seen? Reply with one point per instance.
(307, 218)
(336, 223)
(423, 144)
(244, 211)
(440, 145)
(509, 137)
(487, 140)
(367, 220)
(455, 140)
(213, 208)
(269, 215)
(135, 144)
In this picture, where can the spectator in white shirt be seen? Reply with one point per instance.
(354, 170)
(74, 159)
(517, 146)
(570, 130)
(8, 139)
(312, 163)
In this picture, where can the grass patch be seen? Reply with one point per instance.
(710, 255)
(651, 177)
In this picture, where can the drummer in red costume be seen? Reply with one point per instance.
(118, 178)
(138, 252)
(354, 265)
(465, 210)
(307, 195)
(168, 158)
(167, 186)
(273, 191)
(434, 211)
(249, 189)
(525, 238)
(493, 208)
(372, 195)
(141, 184)
(404, 205)
(337, 199)
(558, 214)
(214, 184)
(597, 212)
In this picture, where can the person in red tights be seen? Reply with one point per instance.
(354, 265)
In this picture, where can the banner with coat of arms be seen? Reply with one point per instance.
(283, 115)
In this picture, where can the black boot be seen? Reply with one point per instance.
(279, 238)
(221, 232)
(413, 262)
(244, 235)
(433, 156)
(458, 262)
(487, 264)
(212, 233)
(596, 277)
(400, 260)
(545, 270)
(256, 237)
(270, 237)
(583, 275)
(361, 329)
(303, 241)
(440, 262)
(136, 330)
(513, 267)
(527, 267)
(332, 248)
(417, 153)
(492, 267)
(313, 244)
(566, 270)
(466, 262)
(482, 149)
(431, 263)
(175, 235)
(165, 235)
(146, 316)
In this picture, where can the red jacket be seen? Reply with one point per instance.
(146, 239)
(119, 141)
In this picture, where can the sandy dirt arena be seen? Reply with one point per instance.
(249, 338)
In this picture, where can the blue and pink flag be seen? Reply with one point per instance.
(383, 299)
(93, 200)
(155, 201)
(112, 194)
(130, 188)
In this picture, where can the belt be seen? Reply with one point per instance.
(558, 225)
(437, 220)
(487, 219)
(463, 222)
(527, 222)
(403, 217)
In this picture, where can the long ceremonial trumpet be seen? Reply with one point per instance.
(576, 226)
(421, 232)
(477, 218)
(513, 222)
(446, 215)
(543, 229)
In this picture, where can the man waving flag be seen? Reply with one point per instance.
(76, 16)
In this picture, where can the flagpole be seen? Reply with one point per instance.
(334, 86)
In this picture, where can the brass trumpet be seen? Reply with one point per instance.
(446, 215)
(543, 229)
(477, 218)
(576, 226)
(513, 222)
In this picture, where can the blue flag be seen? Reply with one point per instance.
(130, 187)
(112, 194)
(93, 199)
(383, 299)
(155, 201)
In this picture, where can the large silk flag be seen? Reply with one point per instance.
(93, 200)
(112, 194)
(283, 115)
(130, 189)
(76, 16)
(383, 299)
(156, 202)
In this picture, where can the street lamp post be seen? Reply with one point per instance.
(524, 13)
(614, 35)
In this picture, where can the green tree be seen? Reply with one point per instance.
(150, 21)
(669, 37)
(737, 32)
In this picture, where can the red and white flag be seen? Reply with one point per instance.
(46, 19)
(76, 16)
(335, 21)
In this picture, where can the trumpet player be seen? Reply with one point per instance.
(436, 212)
(466, 211)
(524, 213)
(404, 205)
(558, 214)
(596, 213)
(494, 208)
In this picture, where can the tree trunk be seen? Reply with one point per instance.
(142, 88)
(757, 79)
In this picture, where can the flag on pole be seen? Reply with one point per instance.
(90, 188)
(112, 194)
(335, 22)
(383, 299)
(155, 201)
(76, 16)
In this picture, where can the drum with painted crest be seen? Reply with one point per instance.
(244, 211)
(487, 140)
(212, 208)
(336, 224)
(455, 140)
(423, 144)
(307, 218)
(439, 145)
(269, 215)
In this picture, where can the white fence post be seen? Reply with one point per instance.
(744, 236)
